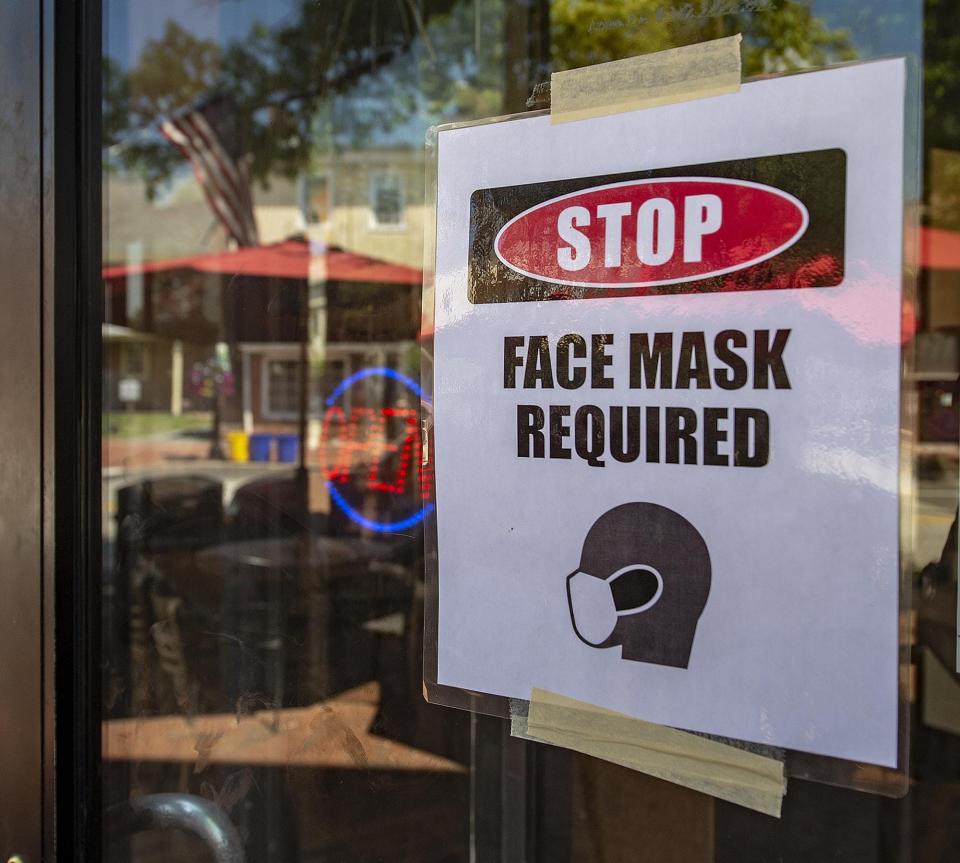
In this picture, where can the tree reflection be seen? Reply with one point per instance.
(353, 74)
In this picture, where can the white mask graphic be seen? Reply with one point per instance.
(592, 605)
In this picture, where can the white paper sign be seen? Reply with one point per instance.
(667, 409)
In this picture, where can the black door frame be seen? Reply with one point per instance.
(72, 507)
(21, 447)
(49, 331)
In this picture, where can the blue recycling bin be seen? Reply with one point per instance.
(260, 447)
(288, 448)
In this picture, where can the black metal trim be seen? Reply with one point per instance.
(74, 121)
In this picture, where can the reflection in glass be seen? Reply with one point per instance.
(263, 473)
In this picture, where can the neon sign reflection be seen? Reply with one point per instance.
(363, 437)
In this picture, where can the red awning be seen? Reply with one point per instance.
(290, 259)
(939, 249)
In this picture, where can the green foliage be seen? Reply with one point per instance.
(137, 424)
(348, 74)
(173, 72)
(461, 71)
(778, 36)
(941, 74)
(277, 78)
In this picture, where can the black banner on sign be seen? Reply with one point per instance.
(769, 223)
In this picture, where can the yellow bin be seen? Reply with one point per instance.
(239, 445)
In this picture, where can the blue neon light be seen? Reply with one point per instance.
(338, 498)
(378, 526)
(382, 371)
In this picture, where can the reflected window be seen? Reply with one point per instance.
(387, 199)
(317, 199)
(281, 396)
(134, 359)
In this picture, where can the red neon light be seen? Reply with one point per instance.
(355, 445)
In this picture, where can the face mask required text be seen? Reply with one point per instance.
(709, 435)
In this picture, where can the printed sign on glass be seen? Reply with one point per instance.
(666, 410)
(749, 224)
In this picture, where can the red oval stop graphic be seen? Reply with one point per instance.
(643, 233)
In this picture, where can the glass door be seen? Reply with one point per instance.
(263, 483)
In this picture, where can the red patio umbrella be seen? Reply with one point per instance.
(295, 259)
(289, 259)
(939, 249)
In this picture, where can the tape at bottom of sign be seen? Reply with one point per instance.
(722, 770)
(677, 75)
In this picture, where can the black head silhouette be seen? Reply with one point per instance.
(643, 582)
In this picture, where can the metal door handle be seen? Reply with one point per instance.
(196, 815)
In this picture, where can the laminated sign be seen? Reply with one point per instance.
(666, 410)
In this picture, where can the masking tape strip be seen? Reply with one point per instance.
(677, 75)
(728, 772)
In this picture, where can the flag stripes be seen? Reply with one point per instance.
(221, 176)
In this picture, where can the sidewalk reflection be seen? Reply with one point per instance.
(331, 734)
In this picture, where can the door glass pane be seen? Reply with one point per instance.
(263, 476)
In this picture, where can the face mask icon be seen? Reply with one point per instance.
(643, 582)
(596, 603)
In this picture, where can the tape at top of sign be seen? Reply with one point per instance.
(721, 770)
(677, 75)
